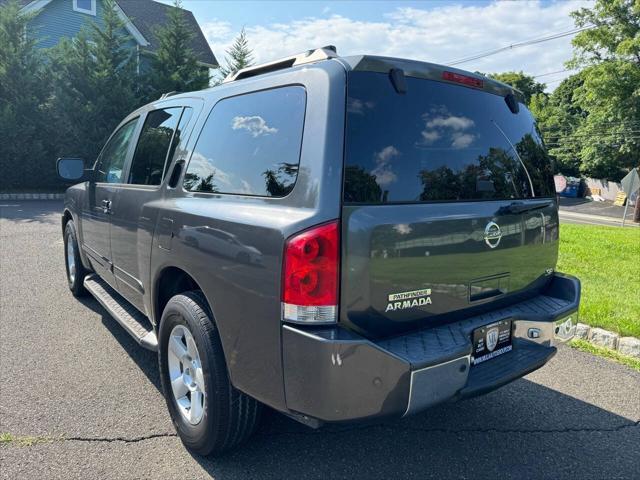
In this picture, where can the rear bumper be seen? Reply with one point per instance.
(334, 375)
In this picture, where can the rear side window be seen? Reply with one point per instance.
(178, 136)
(438, 142)
(153, 150)
(250, 145)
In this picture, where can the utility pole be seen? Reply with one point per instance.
(630, 184)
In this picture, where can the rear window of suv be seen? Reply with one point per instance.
(438, 142)
(250, 144)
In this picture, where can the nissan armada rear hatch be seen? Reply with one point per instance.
(448, 206)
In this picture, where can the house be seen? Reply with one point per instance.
(56, 19)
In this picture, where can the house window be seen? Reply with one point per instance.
(85, 6)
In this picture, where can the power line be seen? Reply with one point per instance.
(590, 129)
(610, 123)
(580, 136)
(553, 143)
(553, 81)
(623, 127)
(524, 43)
(553, 73)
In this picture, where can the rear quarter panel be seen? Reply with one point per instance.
(245, 295)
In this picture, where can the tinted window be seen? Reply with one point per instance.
(250, 145)
(115, 153)
(438, 142)
(178, 137)
(152, 150)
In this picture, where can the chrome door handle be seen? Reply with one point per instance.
(106, 206)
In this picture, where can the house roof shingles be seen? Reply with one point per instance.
(147, 15)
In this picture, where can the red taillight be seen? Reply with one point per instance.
(310, 275)
(463, 79)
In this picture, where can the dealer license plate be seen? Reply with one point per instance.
(491, 341)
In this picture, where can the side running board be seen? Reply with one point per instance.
(133, 321)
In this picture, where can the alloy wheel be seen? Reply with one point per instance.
(186, 375)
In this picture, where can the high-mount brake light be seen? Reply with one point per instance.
(310, 274)
(463, 79)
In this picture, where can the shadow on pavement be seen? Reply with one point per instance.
(523, 430)
(570, 202)
(145, 359)
(32, 211)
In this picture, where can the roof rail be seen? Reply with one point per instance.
(315, 55)
(168, 94)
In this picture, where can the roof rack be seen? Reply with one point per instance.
(168, 94)
(315, 55)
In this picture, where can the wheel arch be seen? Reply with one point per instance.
(172, 280)
(66, 216)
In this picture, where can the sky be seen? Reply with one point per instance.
(434, 31)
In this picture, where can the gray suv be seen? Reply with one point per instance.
(338, 238)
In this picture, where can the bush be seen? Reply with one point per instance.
(24, 89)
(66, 101)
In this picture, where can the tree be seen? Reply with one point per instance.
(519, 80)
(174, 66)
(280, 182)
(360, 185)
(24, 89)
(94, 86)
(239, 56)
(558, 118)
(609, 52)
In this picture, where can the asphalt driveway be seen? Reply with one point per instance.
(71, 378)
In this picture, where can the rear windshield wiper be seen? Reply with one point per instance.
(521, 207)
(515, 150)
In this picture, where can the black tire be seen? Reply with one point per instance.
(230, 416)
(76, 285)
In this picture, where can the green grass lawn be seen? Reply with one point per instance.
(607, 261)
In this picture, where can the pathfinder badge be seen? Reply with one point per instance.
(403, 300)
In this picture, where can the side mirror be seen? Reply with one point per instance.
(70, 168)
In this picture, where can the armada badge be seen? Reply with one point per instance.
(402, 300)
(492, 338)
(492, 234)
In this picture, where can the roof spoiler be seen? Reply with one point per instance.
(310, 56)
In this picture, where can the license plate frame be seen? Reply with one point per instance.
(497, 335)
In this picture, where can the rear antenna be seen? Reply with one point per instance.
(396, 75)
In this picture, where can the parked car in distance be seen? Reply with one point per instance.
(339, 238)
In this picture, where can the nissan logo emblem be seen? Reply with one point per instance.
(492, 234)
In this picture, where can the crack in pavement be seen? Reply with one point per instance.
(27, 441)
(119, 439)
(153, 436)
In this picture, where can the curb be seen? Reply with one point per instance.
(629, 346)
(31, 196)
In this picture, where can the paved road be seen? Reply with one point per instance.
(588, 219)
(583, 211)
(69, 373)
